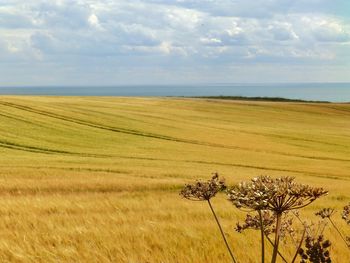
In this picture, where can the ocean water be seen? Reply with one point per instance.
(335, 92)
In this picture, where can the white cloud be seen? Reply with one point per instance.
(94, 21)
(282, 31)
(171, 35)
(327, 30)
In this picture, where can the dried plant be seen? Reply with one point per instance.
(273, 200)
(277, 195)
(269, 223)
(346, 214)
(287, 226)
(253, 195)
(265, 221)
(204, 191)
(254, 222)
(346, 217)
(316, 250)
(327, 213)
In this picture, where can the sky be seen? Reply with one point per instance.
(118, 42)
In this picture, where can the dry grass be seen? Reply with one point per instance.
(86, 179)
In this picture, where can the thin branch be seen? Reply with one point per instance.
(222, 232)
(340, 234)
(300, 244)
(277, 238)
(279, 253)
(262, 237)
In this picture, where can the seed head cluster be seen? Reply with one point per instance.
(287, 226)
(346, 214)
(325, 213)
(316, 250)
(253, 222)
(203, 191)
(269, 223)
(277, 195)
(270, 203)
(252, 195)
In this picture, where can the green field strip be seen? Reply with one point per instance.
(95, 125)
(307, 108)
(161, 137)
(234, 165)
(271, 135)
(267, 135)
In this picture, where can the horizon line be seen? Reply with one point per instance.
(167, 84)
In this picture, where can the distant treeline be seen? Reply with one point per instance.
(276, 99)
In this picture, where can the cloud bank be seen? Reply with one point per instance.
(110, 42)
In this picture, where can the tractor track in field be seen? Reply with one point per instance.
(19, 119)
(75, 169)
(158, 136)
(287, 137)
(264, 134)
(26, 148)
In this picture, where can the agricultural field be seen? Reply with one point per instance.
(97, 179)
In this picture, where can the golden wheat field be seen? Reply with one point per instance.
(97, 179)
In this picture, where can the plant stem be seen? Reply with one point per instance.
(277, 238)
(279, 253)
(340, 234)
(262, 237)
(222, 232)
(299, 246)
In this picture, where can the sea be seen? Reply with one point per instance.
(333, 92)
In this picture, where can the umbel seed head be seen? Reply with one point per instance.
(346, 214)
(268, 219)
(203, 190)
(316, 250)
(277, 195)
(325, 213)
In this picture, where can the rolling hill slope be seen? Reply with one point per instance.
(97, 177)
